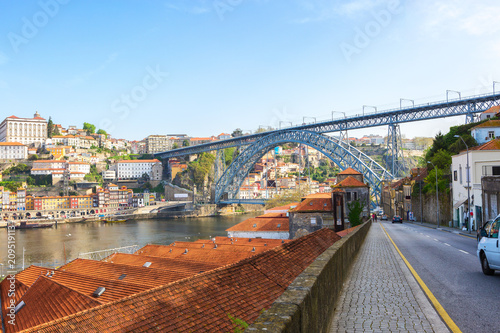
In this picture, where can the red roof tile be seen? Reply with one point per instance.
(489, 123)
(47, 300)
(314, 205)
(349, 171)
(213, 256)
(350, 181)
(137, 275)
(184, 266)
(203, 302)
(493, 144)
(262, 224)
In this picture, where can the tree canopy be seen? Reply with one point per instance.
(89, 128)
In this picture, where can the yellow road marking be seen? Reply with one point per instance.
(442, 312)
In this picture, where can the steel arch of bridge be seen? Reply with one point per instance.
(337, 150)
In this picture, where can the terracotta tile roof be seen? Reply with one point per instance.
(493, 144)
(259, 241)
(202, 303)
(349, 171)
(137, 275)
(262, 224)
(350, 181)
(6, 296)
(224, 247)
(11, 144)
(493, 109)
(489, 123)
(184, 266)
(314, 205)
(283, 208)
(344, 232)
(85, 284)
(213, 256)
(47, 300)
(319, 196)
(269, 215)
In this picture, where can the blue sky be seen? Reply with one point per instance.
(140, 67)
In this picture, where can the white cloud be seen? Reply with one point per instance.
(475, 18)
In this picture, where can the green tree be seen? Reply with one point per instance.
(175, 145)
(50, 128)
(89, 128)
(441, 159)
(185, 143)
(237, 132)
(101, 131)
(355, 210)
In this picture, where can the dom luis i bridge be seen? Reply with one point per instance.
(335, 147)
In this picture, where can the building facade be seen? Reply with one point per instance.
(157, 144)
(28, 131)
(13, 151)
(135, 169)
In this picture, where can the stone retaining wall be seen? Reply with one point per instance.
(307, 305)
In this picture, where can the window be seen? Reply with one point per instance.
(491, 134)
(455, 175)
(313, 221)
(460, 173)
(495, 171)
(493, 232)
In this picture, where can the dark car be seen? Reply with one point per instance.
(397, 218)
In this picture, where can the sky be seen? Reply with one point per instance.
(203, 67)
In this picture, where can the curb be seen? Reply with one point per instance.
(458, 232)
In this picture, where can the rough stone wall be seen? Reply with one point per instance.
(300, 224)
(429, 208)
(308, 303)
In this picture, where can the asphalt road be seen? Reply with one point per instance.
(448, 265)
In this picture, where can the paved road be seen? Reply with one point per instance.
(448, 265)
(381, 295)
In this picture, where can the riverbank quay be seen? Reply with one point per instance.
(159, 211)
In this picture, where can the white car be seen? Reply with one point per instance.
(488, 250)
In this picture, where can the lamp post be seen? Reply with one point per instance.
(369, 106)
(286, 122)
(304, 120)
(468, 184)
(437, 194)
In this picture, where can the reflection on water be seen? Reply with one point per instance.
(50, 246)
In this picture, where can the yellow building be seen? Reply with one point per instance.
(29, 202)
(59, 151)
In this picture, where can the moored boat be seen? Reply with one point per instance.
(25, 225)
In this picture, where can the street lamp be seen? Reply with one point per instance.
(405, 99)
(454, 91)
(286, 122)
(304, 119)
(468, 184)
(369, 106)
(494, 82)
(437, 194)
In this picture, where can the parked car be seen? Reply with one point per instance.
(397, 218)
(488, 250)
(384, 217)
(482, 231)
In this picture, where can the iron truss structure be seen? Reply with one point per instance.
(337, 150)
(467, 106)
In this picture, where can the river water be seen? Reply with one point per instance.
(51, 247)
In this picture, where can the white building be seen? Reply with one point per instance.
(486, 131)
(490, 113)
(13, 151)
(134, 169)
(24, 130)
(484, 160)
(109, 175)
(51, 167)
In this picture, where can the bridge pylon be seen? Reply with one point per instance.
(395, 160)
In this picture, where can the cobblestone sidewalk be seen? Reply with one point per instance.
(381, 295)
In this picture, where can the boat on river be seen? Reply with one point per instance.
(26, 225)
(114, 221)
